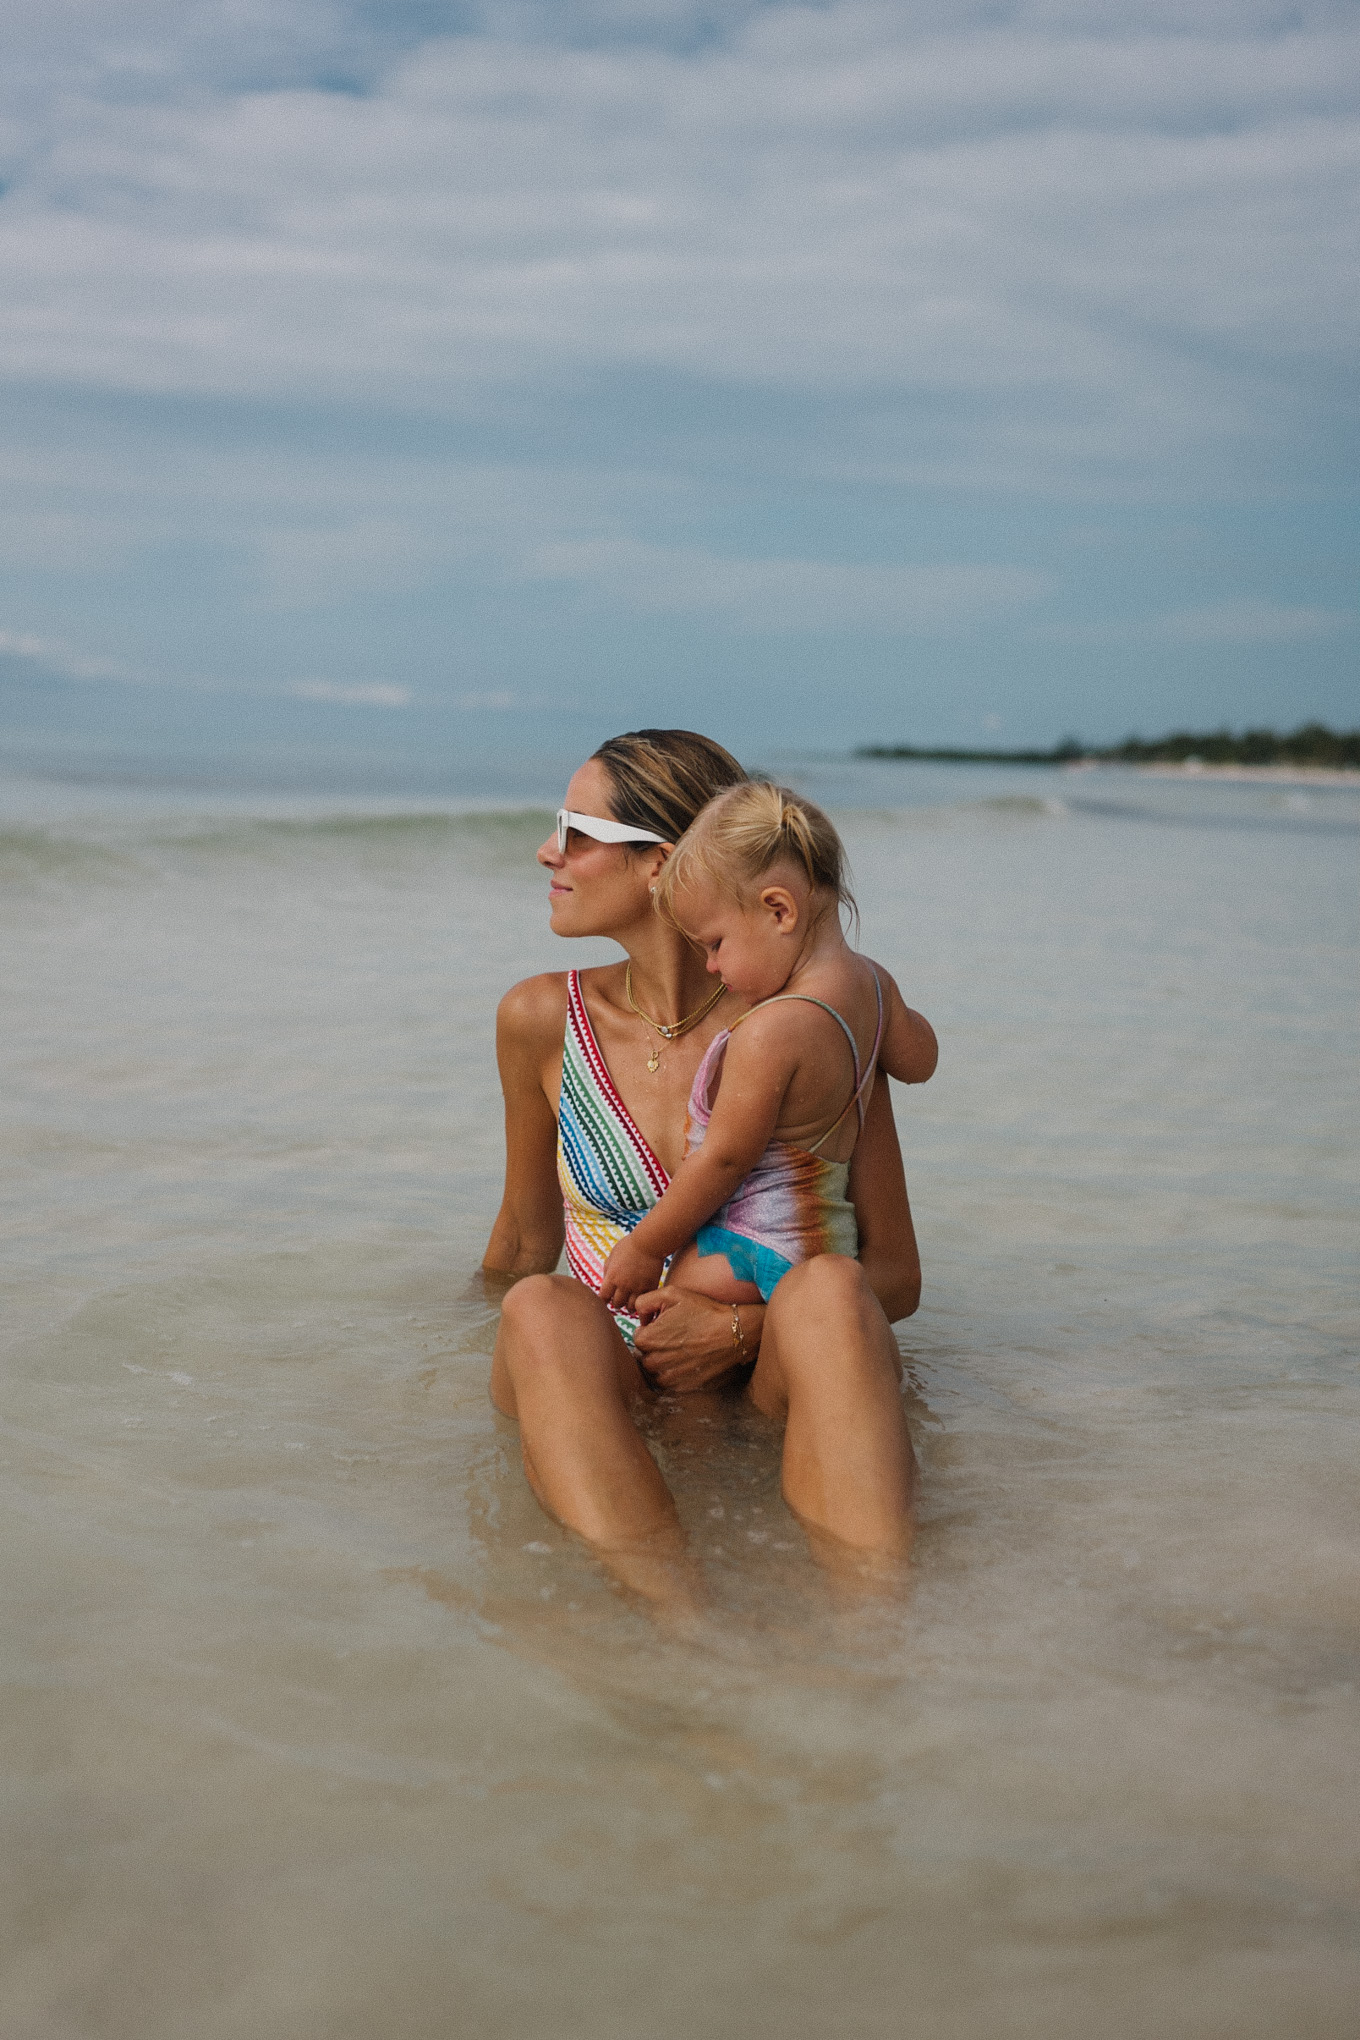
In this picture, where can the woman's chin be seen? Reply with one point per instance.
(562, 920)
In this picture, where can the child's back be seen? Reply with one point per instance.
(793, 1203)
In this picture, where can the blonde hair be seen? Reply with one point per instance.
(746, 831)
(661, 779)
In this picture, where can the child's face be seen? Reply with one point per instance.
(748, 946)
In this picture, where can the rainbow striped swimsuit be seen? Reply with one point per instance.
(609, 1176)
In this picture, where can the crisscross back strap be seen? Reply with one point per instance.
(861, 1080)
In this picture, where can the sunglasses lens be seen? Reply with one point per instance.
(561, 830)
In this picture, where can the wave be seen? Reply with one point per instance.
(481, 825)
(125, 847)
(1004, 807)
(1277, 819)
(27, 855)
(121, 851)
(1186, 805)
(488, 839)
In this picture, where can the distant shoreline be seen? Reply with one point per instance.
(1311, 755)
(1262, 775)
(1189, 768)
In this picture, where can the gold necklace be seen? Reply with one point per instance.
(677, 1027)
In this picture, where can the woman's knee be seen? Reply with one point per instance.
(830, 1285)
(551, 1326)
(826, 1318)
(535, 1301)
(541, 1320)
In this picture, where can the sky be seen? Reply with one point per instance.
(496, 376)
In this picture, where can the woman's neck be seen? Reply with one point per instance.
(669, 978)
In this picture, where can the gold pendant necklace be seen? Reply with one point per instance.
(676, 1027)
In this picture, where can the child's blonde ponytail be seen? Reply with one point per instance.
(747, 830)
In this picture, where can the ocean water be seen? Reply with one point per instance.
(316, 1729)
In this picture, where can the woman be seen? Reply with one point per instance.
(596, 1068)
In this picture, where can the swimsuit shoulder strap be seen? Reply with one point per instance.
(861, 1078)
(861, 1082)
(808, 1000)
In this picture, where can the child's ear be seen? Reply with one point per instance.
(780, 904)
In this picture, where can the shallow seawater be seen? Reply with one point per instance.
(315, 1728)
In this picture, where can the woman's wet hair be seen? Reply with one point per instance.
(744, 834)
(660, 779)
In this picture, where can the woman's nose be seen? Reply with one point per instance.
(549, 854)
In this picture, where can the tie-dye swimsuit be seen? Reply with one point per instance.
(609, 1176)
(793, 1204)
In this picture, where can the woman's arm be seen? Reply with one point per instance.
(878, 1190)
(527, 1236)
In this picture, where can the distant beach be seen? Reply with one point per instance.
(1311, 755)
(1255, 775)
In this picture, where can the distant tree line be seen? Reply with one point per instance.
(1310, 744)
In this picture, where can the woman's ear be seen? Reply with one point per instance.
(656, 863)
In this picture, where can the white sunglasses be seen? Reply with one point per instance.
(602, 829)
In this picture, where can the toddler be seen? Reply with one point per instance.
(758, 880)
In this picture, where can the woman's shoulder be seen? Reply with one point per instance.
(537, 1006)
(535, 1009)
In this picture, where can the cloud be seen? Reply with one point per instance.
(386, 695)
(59, 660)
(1127, 223)
(537, 341)
(1252, 623)
(375, 695)
(1241, 620)
(790, 594)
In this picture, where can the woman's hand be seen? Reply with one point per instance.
(686, 1342)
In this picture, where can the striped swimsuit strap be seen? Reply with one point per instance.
(596, 1127)
(861, 1081)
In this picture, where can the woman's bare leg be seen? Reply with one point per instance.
(561, 1369)
(829, 1366)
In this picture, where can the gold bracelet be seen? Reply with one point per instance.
(738, 1337)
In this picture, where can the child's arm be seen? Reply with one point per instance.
(909, 1050)
(756, 1075)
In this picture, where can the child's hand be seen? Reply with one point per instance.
(629, 1273)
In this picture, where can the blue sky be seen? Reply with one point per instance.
(496, 376)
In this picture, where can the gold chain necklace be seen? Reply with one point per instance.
(677, 1027)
